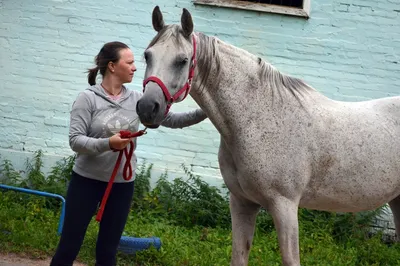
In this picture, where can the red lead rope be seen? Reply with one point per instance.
(127, 172)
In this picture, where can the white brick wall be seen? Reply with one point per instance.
(349, 50)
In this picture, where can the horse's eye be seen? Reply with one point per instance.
(181, 60)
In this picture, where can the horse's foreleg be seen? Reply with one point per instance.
(284, 213)
(243, 215)
(395, 207)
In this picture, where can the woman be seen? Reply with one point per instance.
(97, 115)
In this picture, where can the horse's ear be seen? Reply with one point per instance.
(157, 19)
(186, 23)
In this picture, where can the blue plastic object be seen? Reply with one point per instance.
(44, 194)
(130, 245)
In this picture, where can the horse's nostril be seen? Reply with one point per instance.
(156, 108)
(137, 107)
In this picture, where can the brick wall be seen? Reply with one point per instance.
(348, 50)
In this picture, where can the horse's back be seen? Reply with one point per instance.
(383, 114)
(389, 106)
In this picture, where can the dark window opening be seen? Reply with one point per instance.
(290, 3)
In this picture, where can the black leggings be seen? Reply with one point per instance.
(83, 198)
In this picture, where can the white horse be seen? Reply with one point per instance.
(283, 144)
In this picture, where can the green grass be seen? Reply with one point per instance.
(192, 220)
(33, 232)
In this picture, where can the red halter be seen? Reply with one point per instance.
(185, 89)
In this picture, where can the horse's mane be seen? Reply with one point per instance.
(276, 80)
(208, 55)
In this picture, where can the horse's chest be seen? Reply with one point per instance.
(238, 176)
(254, 178)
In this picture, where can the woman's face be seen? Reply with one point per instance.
(125, 67)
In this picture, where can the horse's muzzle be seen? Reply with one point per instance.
(147, 112)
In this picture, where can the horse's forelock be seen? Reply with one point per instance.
(167, 32)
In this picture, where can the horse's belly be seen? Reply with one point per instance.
(353, 194)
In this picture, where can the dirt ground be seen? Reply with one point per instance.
(18, 260)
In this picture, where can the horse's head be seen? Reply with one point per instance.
(170, 61)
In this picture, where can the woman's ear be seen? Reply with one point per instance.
(111, 67)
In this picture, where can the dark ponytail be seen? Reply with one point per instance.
(92, 75)
(108, 53)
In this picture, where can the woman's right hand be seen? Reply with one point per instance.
(117, 143)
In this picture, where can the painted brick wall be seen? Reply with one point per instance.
(349, 50)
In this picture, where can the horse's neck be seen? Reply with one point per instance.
(231, 89)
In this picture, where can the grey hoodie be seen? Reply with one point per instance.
(95, 117)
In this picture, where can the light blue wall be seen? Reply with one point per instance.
(348, 50)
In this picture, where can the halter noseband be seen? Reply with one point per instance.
(185, 89)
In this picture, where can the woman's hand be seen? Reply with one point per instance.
(117, 143)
